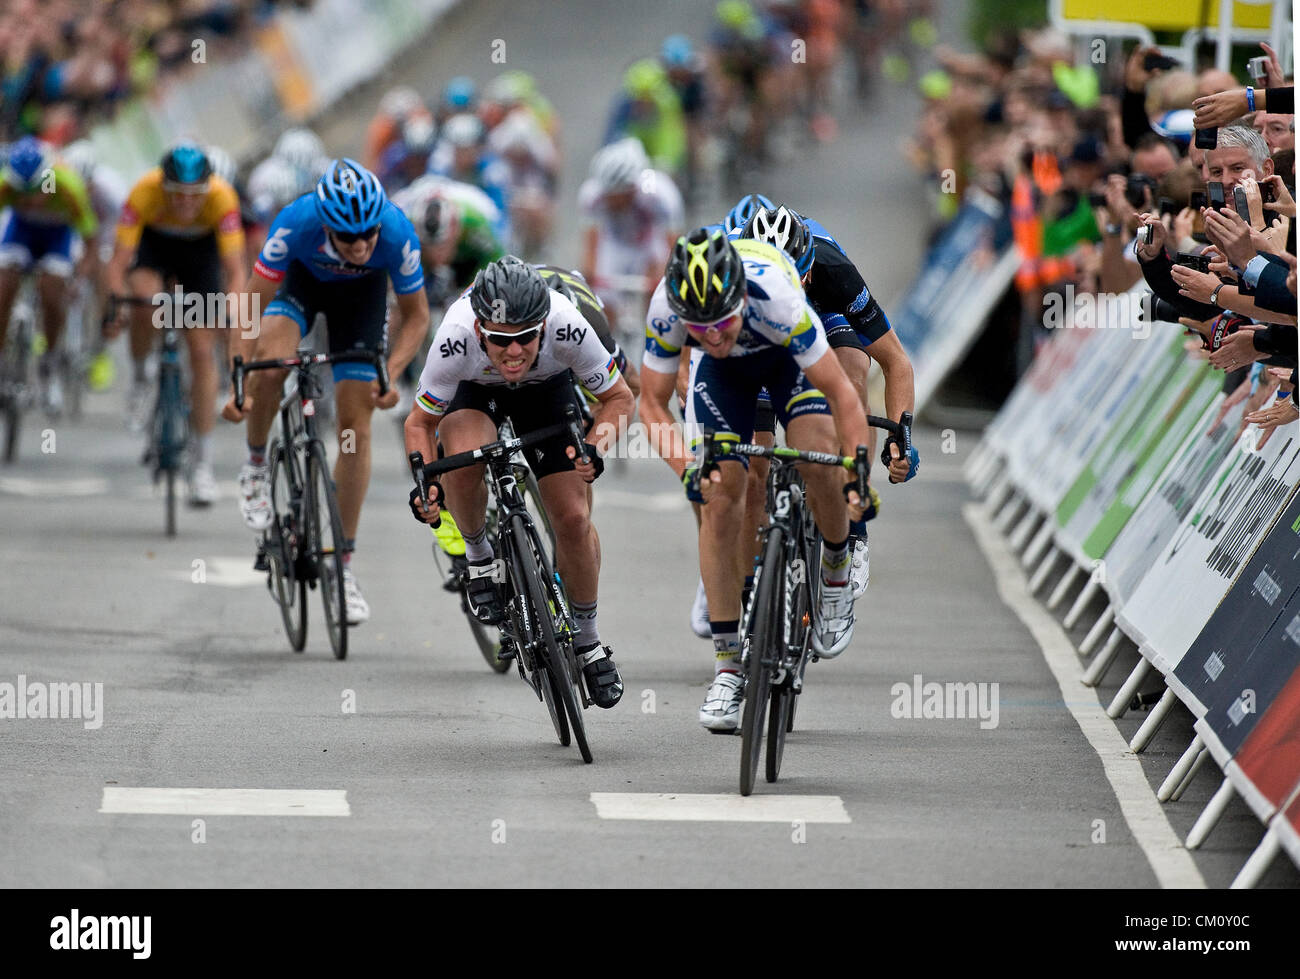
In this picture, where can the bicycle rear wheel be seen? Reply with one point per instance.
(327, 546)
(281, 544)
(764, 649)
(171, 433)
(15, 384)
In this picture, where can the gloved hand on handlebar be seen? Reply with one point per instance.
(901, 467)
(593, 467)
(433, 518)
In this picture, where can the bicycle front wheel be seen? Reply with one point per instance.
(764, 650)
(327, 546)
(282, 543)
(557, 658)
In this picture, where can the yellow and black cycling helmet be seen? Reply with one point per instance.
(705, 278)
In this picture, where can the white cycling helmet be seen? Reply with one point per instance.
(462, 130)
(619, 165)
(300, 148)
(223, 164)
(418, 134)
(400, 102)
(272, 185)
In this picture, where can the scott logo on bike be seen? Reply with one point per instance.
(574, 333)
(450, 348)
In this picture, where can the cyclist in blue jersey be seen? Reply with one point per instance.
(856, 328)
(331, 252)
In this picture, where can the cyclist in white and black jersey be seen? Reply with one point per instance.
(744, 306)
(632, 215)
(511, 348)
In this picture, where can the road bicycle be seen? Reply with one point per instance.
(169, 433)
(777, 623)
(538, 630)
(305, 546)
(456, 575)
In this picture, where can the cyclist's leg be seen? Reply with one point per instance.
(54, 265)
(352, 399)
(465, 427)
(10, 280)
(725, 393)
(806, 417)
(15, 257)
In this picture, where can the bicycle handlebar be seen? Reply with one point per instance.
(424, 471)
(900, 434)
(239, 368)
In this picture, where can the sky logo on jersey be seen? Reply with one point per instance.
(574, 333)
(860, 301)
(449, 348)
(431, 404)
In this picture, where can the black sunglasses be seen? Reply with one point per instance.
(351, 238)
(523, 337)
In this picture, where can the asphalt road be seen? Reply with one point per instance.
(446, 774)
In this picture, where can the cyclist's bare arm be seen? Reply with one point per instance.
(590, 240)
(616, 408)
(263, 290)
(420, 432)
(846, 407)
(412, 325)
(656, 390)
(900, 391)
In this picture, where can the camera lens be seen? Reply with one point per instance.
(1163, 311)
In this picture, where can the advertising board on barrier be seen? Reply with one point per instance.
(1142, 458)
(1170, 501)
(1141, 400)
(1265, 767)
(1198, 564)
(1214, 668)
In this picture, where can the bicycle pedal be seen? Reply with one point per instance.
(506, 653)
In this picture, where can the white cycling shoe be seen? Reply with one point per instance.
(833, 628)
(358, 608)
(700, 614)
(721, 709)
(255, 496)
(860, 574)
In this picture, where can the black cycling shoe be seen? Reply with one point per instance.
(482, 592)
(604, 685)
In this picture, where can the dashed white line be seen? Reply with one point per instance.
(683, 806)
(225, 802)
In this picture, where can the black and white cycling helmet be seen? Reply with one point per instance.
(619, 166)
(787, 230)
(510, 291)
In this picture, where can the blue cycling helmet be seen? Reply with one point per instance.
(787, 229)
(744, 210)
(677, 51)
(460, 94)
(349, 198)
(186, 163)
(28, 159)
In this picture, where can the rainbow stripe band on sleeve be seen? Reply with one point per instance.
(611, 369)
(431, 404)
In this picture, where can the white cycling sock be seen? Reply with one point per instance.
(477, 548)
(835, 563)
(584, 614)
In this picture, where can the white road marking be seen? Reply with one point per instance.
(1169, 859)
(226, 802)
(720, 808)
(52, 489)
(225, 572)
